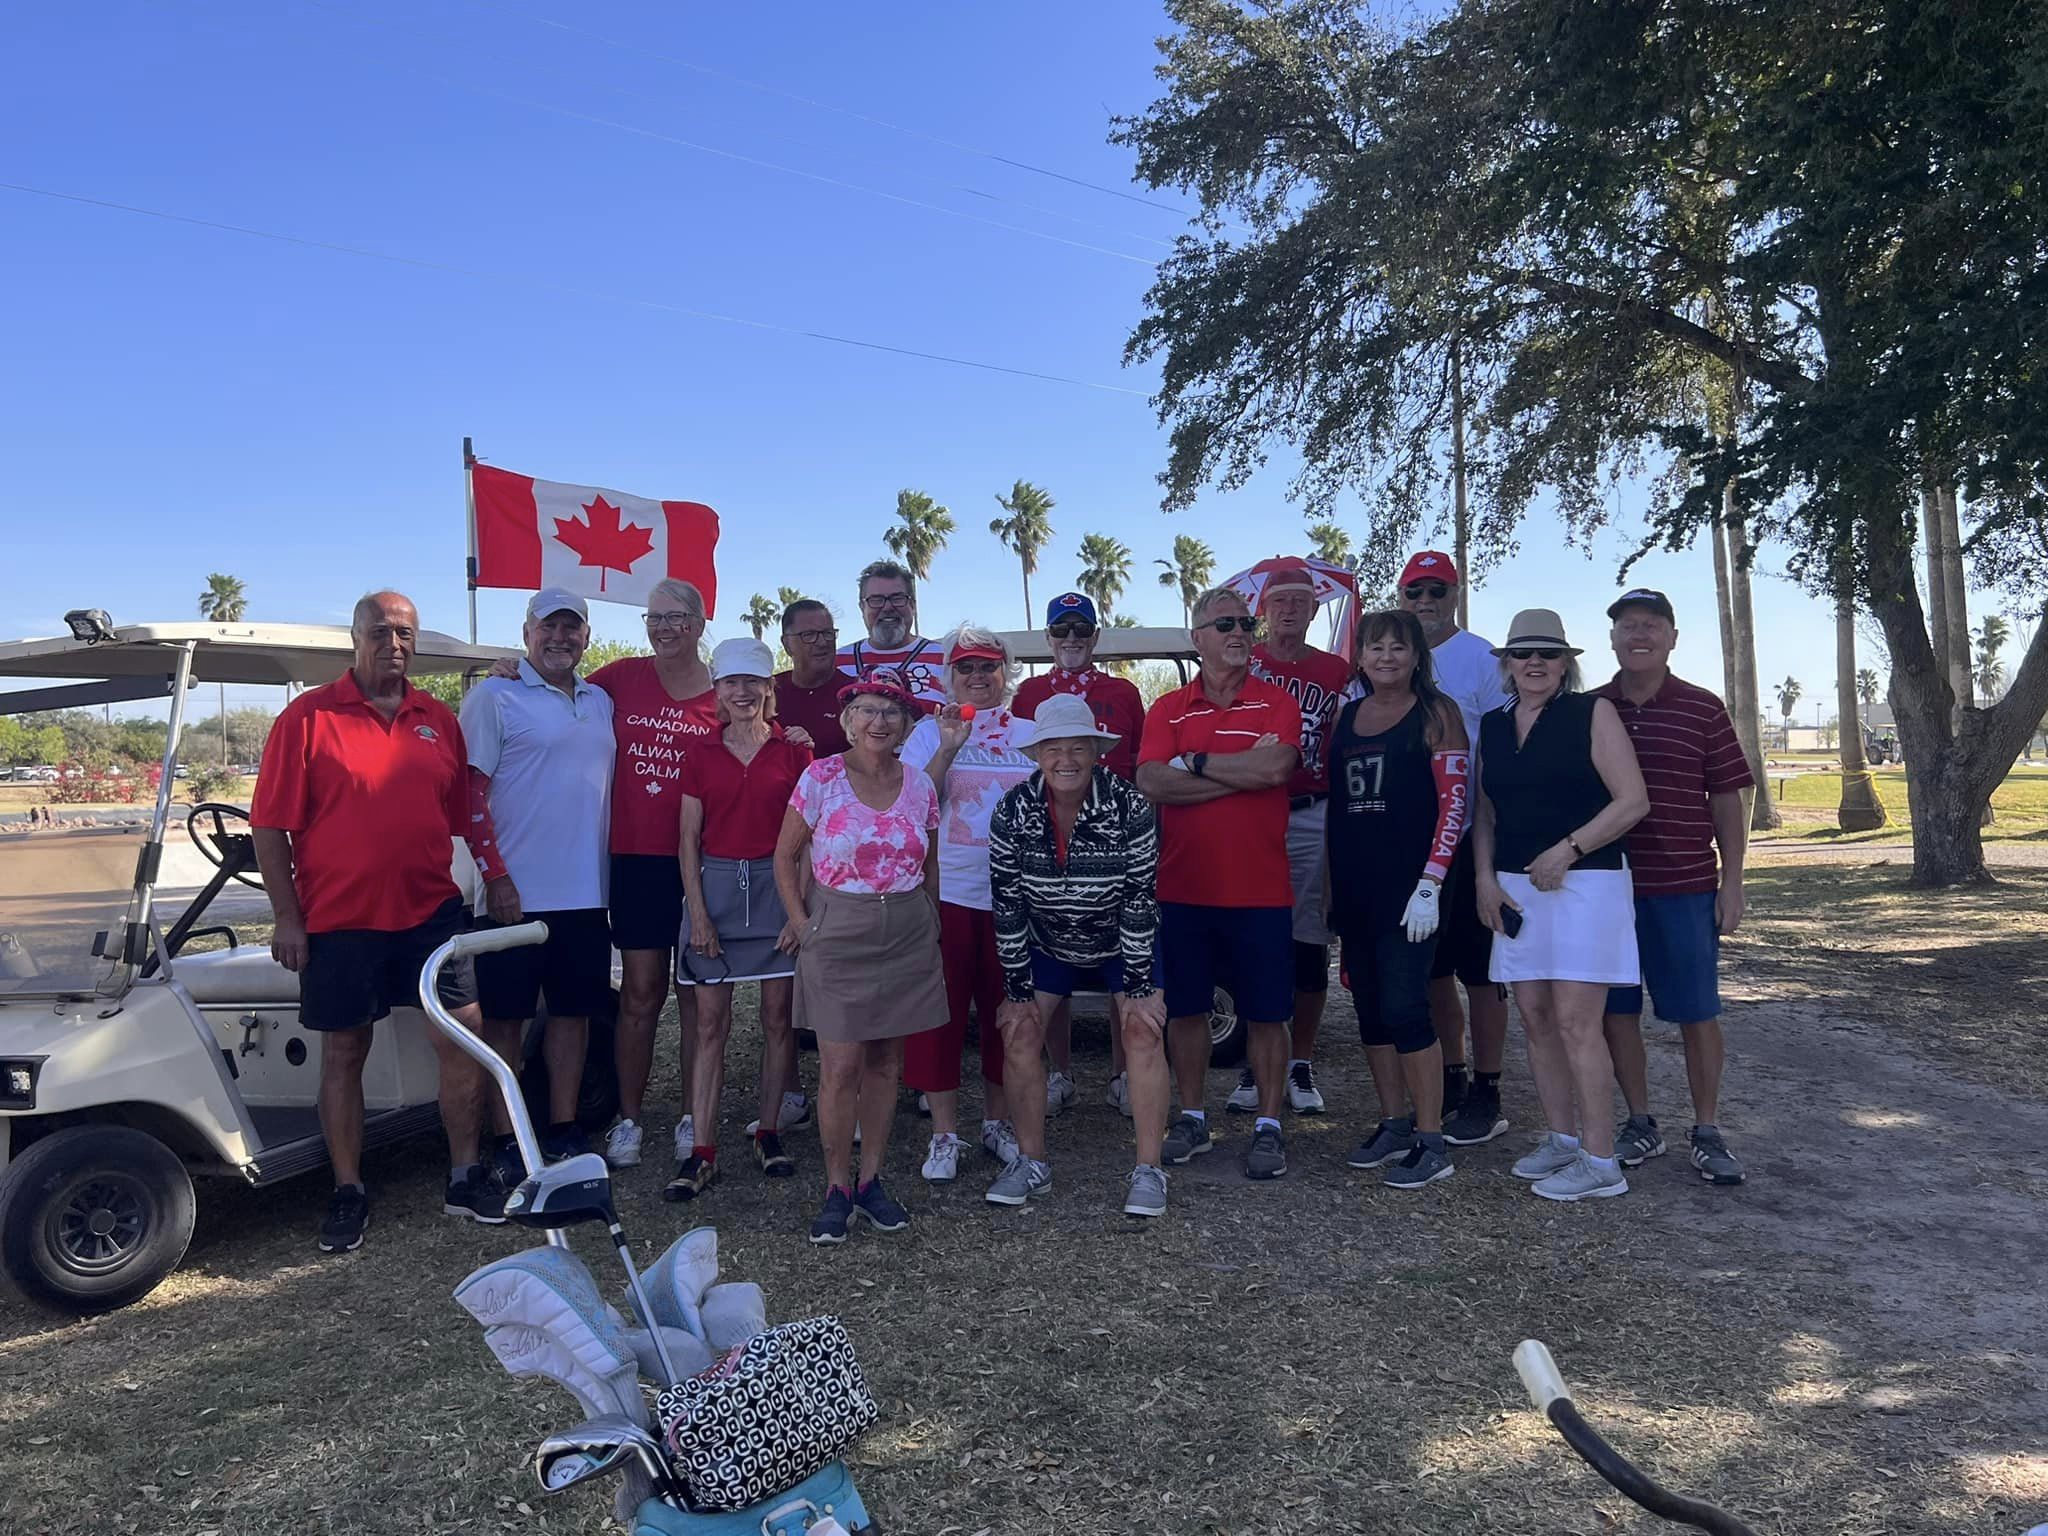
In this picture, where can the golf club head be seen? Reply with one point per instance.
(576, 1189)
(594, 1448)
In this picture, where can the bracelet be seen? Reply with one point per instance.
(1573, 839)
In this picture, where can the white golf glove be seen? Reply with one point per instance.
(1421, 917)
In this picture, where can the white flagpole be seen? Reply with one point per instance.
(469, 501)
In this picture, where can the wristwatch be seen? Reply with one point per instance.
(1573, 839)
(1200, 764)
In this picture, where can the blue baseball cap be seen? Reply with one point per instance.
(1070, 605)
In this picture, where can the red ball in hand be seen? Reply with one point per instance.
(966, 711)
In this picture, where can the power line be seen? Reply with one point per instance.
(550, 286)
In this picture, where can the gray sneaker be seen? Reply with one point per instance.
(1388, 1143)
(1637, 1140)
(1147, 1195)
(1020, 1180)
(1425, 1163)
(1244, 1098)
(1550, 1156)
(1580, 1180)
(1267, 1158)
(1710, 1154)
(1187, 1137)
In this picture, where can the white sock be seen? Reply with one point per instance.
(1197, 1114)
(1569, 1143)
(1263, 1121)
(1296, 1061)
(1604, 1164)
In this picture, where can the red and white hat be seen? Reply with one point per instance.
(1430, 565)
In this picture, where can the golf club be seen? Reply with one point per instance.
(598, 1446)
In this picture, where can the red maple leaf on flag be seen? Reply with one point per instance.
(599, 540)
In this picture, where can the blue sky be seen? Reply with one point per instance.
(182, 400)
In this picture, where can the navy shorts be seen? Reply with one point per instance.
(358, 975)
(1389, 981)
(573, 968)
(1680, 946)
(1056, 978)
(1247, 951)
(647, 900)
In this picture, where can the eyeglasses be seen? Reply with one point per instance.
(673, 620)
(1229, 622)
(1071, 631)
(1534, 652)
(977, 668)
(886, 600)
(869, 713)
(812, 636)
(1416, 589)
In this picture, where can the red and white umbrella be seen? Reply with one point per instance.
(1331, 582)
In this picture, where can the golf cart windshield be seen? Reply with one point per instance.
(63, 893)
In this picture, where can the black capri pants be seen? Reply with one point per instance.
(1389, 982)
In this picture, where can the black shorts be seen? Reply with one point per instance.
(356, 976)
(1464, 945)
(647, 900)
(573, 968)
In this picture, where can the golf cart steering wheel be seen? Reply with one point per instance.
(213, 843)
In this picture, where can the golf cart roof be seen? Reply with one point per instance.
(228, 653)
(1154, 644)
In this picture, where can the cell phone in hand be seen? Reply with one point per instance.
(1510, 920)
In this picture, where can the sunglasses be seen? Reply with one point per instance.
(1225, 625)
(1424, 589)
(1534, 652)
(1071, 631)
(977, 668)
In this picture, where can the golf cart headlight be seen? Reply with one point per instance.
(18, 1082)
(92, 625)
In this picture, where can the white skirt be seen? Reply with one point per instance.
(1583, 931)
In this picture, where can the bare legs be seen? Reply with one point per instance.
(1568, 1058)
(856, 1085)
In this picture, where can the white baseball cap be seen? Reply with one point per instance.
(552, 600)
(742, 658)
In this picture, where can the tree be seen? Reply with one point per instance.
(1989, 671)
(1866, 687)
(1788, 695)
(1189, 572)
(224, 602)
(244, 731)
(1330, 543)
(762, 615)
(921, 532)
(1105, 571)
(784, 596)
(1859, 808)
(1835, 209)
(23, 744)
(1025, 529)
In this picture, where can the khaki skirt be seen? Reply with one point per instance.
(869, 968)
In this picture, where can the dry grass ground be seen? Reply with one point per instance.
(1850, 1345)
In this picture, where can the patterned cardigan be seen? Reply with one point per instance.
(1100, 904)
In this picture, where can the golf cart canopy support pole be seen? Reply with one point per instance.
(118, 690)
(135, 941)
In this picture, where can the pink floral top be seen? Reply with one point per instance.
(860, 851)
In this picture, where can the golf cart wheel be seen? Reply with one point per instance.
(92, 1217)
(1226, 1032)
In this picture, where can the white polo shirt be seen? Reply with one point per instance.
(1469, 672)
(549, 758)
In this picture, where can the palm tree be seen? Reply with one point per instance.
(784, 596)
(1025, 531)
(1189, 572)
(1330, 543)
(925, 525)
(1788, 695)
(224, 601)
(1989, 673)
(1866, 686)
(1105, 571)
(762, 615)
(1860, 809)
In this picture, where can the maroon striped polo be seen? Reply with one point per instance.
(1686, 745)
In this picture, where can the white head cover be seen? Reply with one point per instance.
(742, 658)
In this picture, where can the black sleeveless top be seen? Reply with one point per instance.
(1382, 817)
(1545, 789)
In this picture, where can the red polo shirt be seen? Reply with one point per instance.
(371, 805)
(1687, 748)
(743, 802)
(1118, 707)
(1231, 851)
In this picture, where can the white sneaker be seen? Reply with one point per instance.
(1581, 1179)
(686, 1137)
(1118, 1097)
(622, 1145)
(1550, 1156)
(1059, 1092)
(1302, 1095)
(999, 1141)
(795, 1112)
(1245, 1096)
(942, 1163)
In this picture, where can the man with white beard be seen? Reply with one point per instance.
(888, 607)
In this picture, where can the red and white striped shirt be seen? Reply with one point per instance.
(1686, 746)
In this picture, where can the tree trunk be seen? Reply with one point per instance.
(1027, 599)
(1723, 608)
(1461, 518)
(1746, 705)
(1957, 607)
(1860, 809)
(1931, 528)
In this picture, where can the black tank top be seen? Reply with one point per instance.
(1545, 789)
(1382, 816)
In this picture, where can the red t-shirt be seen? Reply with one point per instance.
(1117, 704)
(1317, 683)
(655, 734)
(1232, 851)
(743, 802)
(1686, 746)
(371, 805)
(814, 709)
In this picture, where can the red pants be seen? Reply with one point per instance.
(967, 945)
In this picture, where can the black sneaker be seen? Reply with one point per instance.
(694, 1175)
(833, 1217)
(1457, 1084)
(770, 1158)
(348, 1213)
(1478, 1119)
(1267, 1158)
(507, 1167)
(476, 1195)
(560, 1141)
(883, 1213)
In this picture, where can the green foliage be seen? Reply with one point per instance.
(762, 615)
(921, 531)
(602, 653)
(225, 600)
(1330, 543)
(247, 730)
(1105, 571)
(212, 783)
(1988, 672)
(1788, 696)
(23, 743)
(1025, 529)
(1189, 572)
(1866, 686)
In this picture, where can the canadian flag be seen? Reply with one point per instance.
(599, 544)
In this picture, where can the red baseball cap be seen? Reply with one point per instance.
(982, 652)
(1287, 578)
(1430, 565)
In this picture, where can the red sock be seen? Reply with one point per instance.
(705, 1150)
(763, 1134)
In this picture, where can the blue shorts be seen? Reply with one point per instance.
(1247, 951)
(1680, 946)
(1056, 978)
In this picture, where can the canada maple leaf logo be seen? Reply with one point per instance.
(599, 540)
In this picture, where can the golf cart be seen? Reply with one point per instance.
(129, 1060)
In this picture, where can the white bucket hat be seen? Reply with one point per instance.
(742, 658)
(1063, 717)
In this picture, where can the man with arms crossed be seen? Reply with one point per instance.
(364, 784)
(1317, 682)
(1215, 759)
(1695, 772)
(888, 606)
(1469, 672)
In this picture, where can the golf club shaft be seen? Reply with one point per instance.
(1633, 1481)
(670, 1377)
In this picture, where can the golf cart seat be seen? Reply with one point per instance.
(244, 974)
